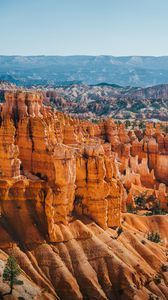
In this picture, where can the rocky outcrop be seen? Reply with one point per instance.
(64, 185)
(90, 262)
(98, 194)
(65, 155)
(156, 155)
(9, 162)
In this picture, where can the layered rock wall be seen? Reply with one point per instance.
(71, 171)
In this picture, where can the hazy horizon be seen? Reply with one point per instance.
(89, 55)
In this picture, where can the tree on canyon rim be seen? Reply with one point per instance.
(11, 273)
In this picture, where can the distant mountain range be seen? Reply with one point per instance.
(55, 70)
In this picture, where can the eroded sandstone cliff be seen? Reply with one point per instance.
(64, 185)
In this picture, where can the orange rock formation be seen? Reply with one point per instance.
(64, 184)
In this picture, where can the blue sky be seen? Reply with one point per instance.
(89, 27)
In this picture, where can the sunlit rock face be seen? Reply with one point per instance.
(98, 193)
(9, 162)
(85, 167)
(64, 185)
(38, 145)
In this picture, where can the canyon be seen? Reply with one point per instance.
(103, 100)
(65, 188)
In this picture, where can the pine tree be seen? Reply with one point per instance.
(11, 272)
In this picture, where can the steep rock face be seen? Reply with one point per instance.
(93, 189)
(142, 158)
(9, 162)
(98, 193)
(112, 133)
(33, 142)
(161, 168)
(40, 137)
(156, 155)
(60, 198)
(69, 135)
(24, 142)
(63, 184)
(162, 195)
